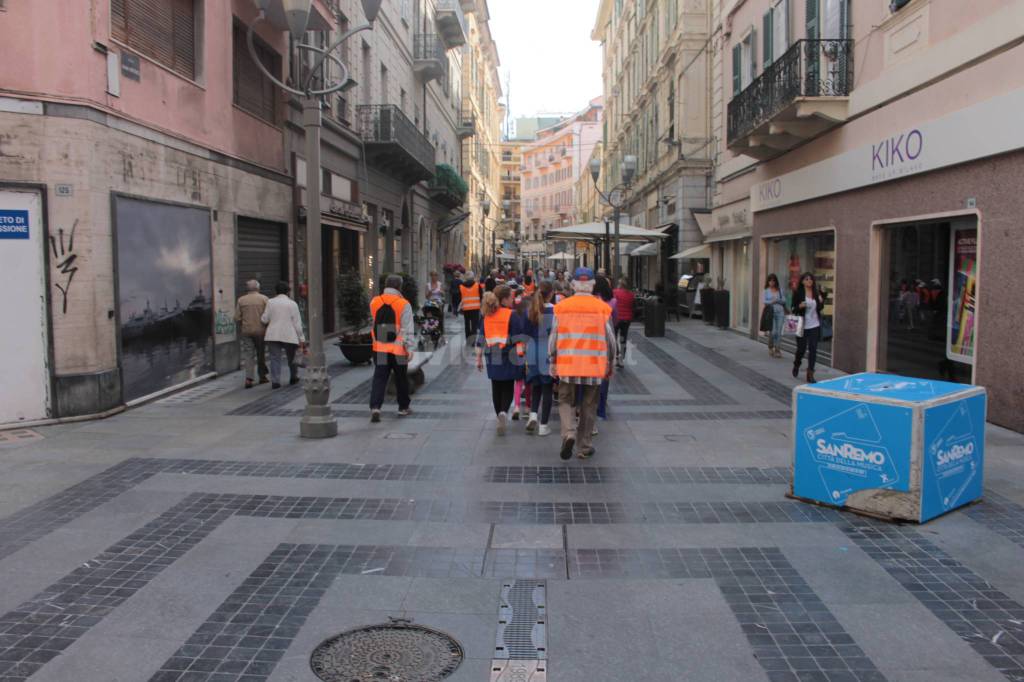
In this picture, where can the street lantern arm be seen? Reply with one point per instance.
(329, 53)
(251, 40)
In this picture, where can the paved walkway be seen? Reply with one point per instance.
(199, 539)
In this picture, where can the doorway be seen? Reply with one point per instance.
(25, 341)
(929, 294)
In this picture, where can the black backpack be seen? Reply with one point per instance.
(385, 326)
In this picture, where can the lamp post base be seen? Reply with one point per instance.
(318, 422)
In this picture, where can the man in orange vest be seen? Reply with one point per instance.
(393, 338)
(582, 348)
(472, 293)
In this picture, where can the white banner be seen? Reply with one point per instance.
(985, 129)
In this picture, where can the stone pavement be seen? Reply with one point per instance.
(197, 538)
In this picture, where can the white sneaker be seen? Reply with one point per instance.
(531, 425)
(502, 423)
(594, 432)
(524, 411)
(543, 430)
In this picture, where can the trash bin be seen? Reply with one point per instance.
(722, 308)
(889, 446)
(654, 317)
(707, 305)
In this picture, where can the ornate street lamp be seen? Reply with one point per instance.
(616, 198)
(317, 419)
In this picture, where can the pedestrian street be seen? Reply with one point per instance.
(198, 538)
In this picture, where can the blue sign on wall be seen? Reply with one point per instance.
(954, 453)
(13, 224)
(844, 446)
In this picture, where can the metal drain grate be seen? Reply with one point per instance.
(395, 652)
(17, 436)
(522, 621)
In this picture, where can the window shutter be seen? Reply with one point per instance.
(164, 30)
(753, 53)
(812, 19)
(780, 26)
(184, 40)
(768, 35)
(254, 92)
(737, 59)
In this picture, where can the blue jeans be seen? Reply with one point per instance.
(275, 349)
(778, 317)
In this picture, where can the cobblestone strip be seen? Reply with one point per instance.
(694, 384)
(45, 516)
(775, 389)
(276, 399)
(601, 513)
(793, 634)
(1001, 515)
(41, 628)
(625, 382)
(578, 475)
(983, 616)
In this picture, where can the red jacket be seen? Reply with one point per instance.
(625, 297)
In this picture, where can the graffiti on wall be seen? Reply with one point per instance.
(65, 260)
(225, 323)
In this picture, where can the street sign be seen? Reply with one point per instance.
(13, 224)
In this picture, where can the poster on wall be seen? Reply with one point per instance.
(164, 282)
(963, 263)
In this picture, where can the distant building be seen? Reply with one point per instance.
(524, 129)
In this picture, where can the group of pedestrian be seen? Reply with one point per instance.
(808, 303)
(269, 327)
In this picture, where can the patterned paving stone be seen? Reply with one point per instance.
(1000, 514)
(578, 475)
(983, 616)
(588, 513)
(276, 399)
(690, 381)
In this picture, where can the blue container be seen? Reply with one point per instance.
(897, 447)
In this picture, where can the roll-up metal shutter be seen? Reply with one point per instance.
(261, 254)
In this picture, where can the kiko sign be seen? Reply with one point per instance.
(984, 129)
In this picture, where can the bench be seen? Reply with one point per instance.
(417, 377)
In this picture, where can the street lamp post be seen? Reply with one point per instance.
(317, 419)
(616, 198)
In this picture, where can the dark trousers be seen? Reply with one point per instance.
(622, 329)
(602, 401)
(502, 393)
(275, 348)
(456, 300)
(540, 400)
(808, 343)
(472, 318)
(385, 364)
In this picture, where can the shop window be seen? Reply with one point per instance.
(253, 91)
(163, 31)
(790, 257)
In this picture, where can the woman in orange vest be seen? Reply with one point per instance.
(504, 353)
(528, 285)
(471, 293)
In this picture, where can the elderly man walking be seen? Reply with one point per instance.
(582, 350)
(394, 339)
(248, 311)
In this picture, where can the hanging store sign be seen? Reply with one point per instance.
(985, 129)
(963, 265)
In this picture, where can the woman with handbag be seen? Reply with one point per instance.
(773, 315)
(808, 302)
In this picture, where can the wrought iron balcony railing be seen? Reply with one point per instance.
(430, 57)
(810, 68)
(393, 142)
(467, 122)
(451, 23)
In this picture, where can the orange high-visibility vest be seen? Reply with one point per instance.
(496, 330)
(582, 347)
(528, 289)
(398, 304)
(470, 297)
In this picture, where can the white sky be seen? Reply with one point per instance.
(545, 45)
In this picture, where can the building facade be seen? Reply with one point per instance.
(149, 169)
(872, 144)
(655, 74)
(552, 165)
(511, 199)
(481, 154)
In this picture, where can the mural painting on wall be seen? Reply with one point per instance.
(64, 258)
(164, 278)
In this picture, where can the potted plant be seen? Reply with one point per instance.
(707, 301)
(356, 344)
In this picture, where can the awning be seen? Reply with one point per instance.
(562, 256)
(728, 236)
(703, 218)
(700, 251)
(648, 249)
(447, 224)
(597, 231)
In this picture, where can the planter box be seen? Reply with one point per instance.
(889, 446)
(356, 353)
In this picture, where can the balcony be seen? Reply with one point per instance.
(451, 23)
(798, 97)
(430, 59)
(448, 188)
(467, 123)
(393, 143)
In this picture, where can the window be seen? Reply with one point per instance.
(163, 31)
(253, 91)
(672, 110)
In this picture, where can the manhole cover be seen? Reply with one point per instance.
(395, 652)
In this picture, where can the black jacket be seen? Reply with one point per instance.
(799, 296)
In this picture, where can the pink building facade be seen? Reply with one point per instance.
(876, 146)
(552, 165)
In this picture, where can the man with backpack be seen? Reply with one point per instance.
(394, 339)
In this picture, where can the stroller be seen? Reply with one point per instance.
(431, 326)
